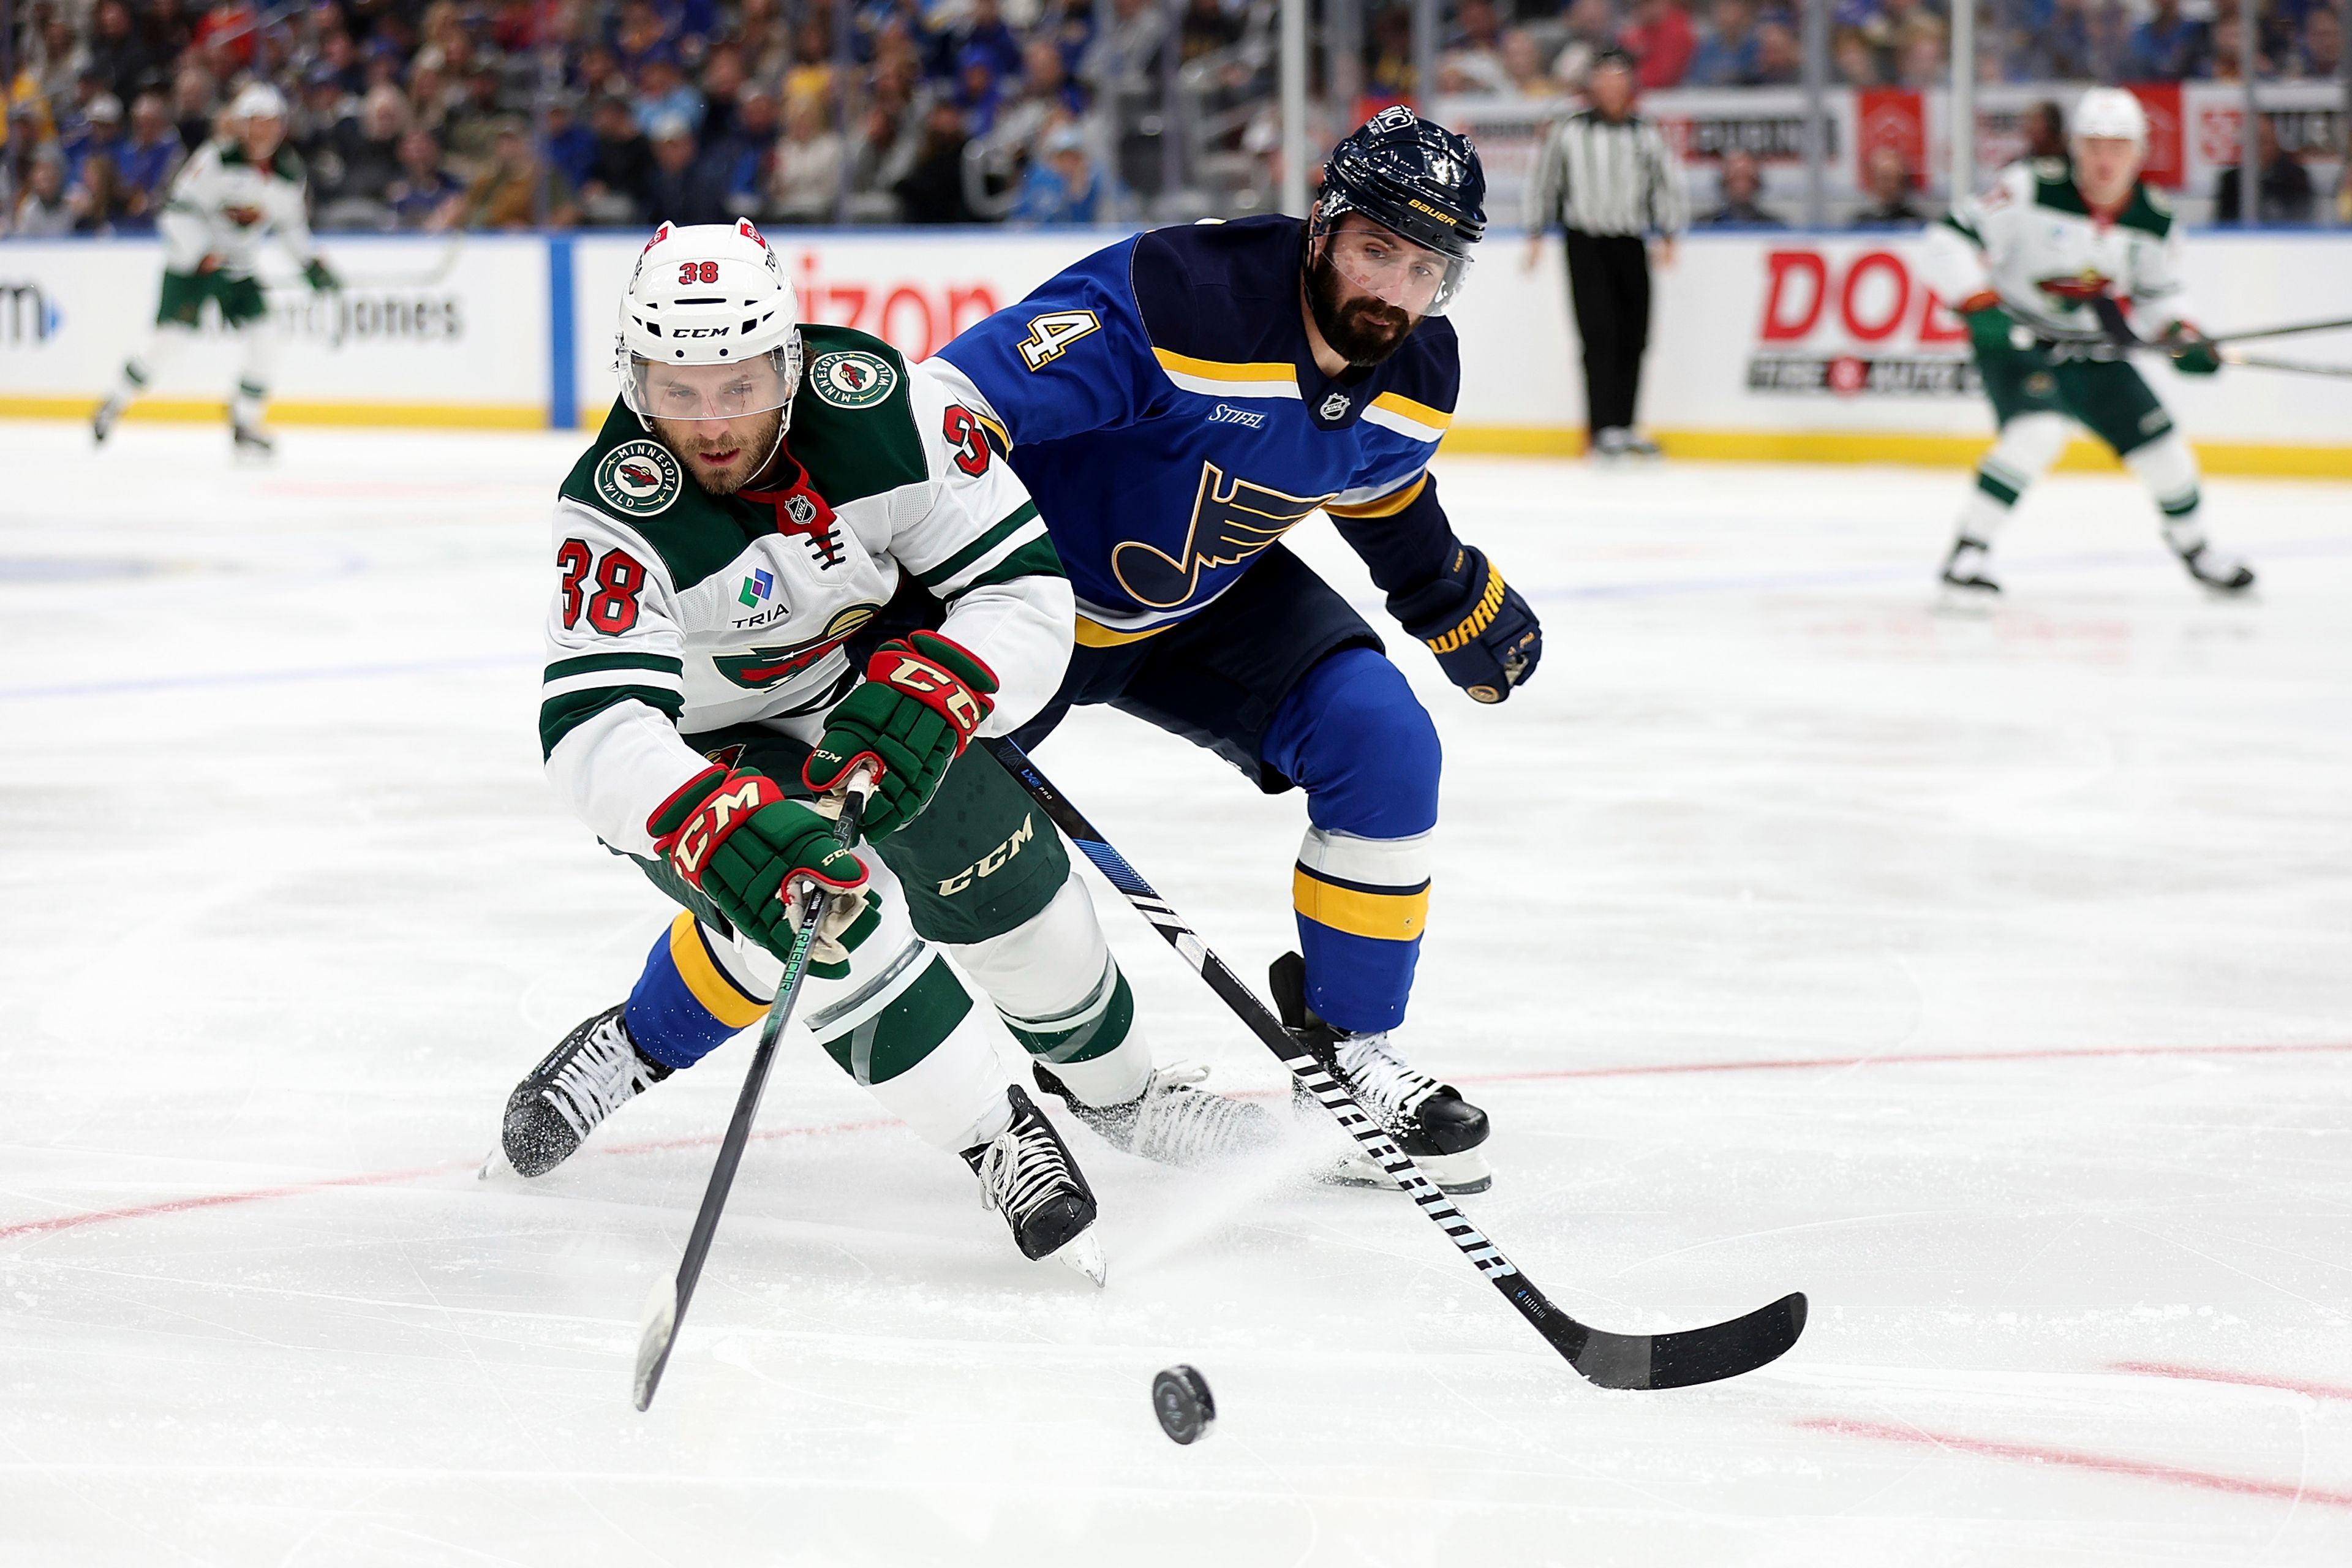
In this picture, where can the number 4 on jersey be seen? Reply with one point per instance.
(1050, 334)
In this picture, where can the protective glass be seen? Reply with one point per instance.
(659, 391)
(1394, 270)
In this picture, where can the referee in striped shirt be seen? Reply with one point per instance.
(1608, 177)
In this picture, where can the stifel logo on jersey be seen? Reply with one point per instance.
(1231, 522)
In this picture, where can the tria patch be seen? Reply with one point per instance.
(637, 479)
(851, 378)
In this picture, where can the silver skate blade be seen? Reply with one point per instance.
(1085, 1254)
(656, 1330)
(1456, 1175)
(496, 1165)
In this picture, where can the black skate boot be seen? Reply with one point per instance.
(1026, 1175)
(1431, 1123)
(102, 423)
(2216, 571)
(251, 441)
(596, 1071)
(1172, 1120)
(1965, 572)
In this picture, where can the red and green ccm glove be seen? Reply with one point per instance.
(919, 707)
(737, 839)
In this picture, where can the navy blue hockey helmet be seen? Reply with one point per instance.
(1415, 178)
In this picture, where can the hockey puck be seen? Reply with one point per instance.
(1181, 1398)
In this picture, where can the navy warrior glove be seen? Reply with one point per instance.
(1486, 637)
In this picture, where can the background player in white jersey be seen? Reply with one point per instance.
(726, 546)
(2056, 268)
(238, 191)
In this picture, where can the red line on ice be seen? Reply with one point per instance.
(1788, 1064)
(1936, 1058)
(2242, 1379)
(384, 1178)
(2035, 1454)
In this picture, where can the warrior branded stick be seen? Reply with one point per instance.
(665, 1307)
(1612, 1360)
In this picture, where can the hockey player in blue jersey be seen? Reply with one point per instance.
(1175, 404)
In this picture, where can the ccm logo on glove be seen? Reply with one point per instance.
(922, 700)
(935, 688)
(708, 824)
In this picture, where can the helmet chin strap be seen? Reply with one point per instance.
(784, 423)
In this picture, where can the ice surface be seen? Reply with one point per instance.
(1988, 978)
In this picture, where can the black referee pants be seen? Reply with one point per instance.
(1609, 290)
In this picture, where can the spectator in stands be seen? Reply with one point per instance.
(664, 93)
(430, 99)
(2284, 194)
(1780, 55)
(977, 91)
(723, 91)
(350, 178)
(471, 133)
(932, 191)
(2057, 47)
(1524, 75)
(1661, 41)
(682, 189)
(427, 195)
(985, 30)
(1388, 78)
(97, 199)
(621, 174)
(806, 184)
(2222, 61)
(148, 160)
(884, 148)
(2045, 125)
(2167, 45)
(1062, 184)
(100, 136)
(1208, 27)
(42, 211)
(1044, 92)
(119, 56)
(2321, 54)
(1590, 30)
(507, 193)
(1923, 63)
(1729, 56)
(744, 160)
(1128, 57)
(570, 146)
(192, 106)
(1738, 184)
(1890, 185)
(811, 74)
(1856, 61)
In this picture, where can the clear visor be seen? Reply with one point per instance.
(660, 391)
(1394, 270)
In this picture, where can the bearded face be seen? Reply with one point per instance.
(723, 454)
(1362, 330)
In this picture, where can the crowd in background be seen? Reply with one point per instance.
(436, 114)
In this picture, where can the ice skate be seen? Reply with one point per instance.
(1173, 1120)
(1441, 1132)
(1026, 1175)
(2221, 574)
(102, 423)
(596, 1071)
(251, 443)
(1968, 576)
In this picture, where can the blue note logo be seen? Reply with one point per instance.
(1231, 520)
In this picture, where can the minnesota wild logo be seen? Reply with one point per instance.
(851, 378)
(762, 668)
(637, 479)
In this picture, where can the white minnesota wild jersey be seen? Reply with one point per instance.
(2032, 240)
(223, 204)
(678, 612)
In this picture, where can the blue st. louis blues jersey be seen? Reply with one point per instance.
(1161, 404)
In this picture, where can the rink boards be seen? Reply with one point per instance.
(1773, 345)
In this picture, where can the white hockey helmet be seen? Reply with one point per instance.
(708, 294)
(2110, 113)
(257, 101)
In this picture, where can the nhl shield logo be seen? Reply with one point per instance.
(1335, 407)
(637, 479)
(802, 509)
(851, 378)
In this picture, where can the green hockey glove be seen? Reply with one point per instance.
(2191, 355)
(919, 707)
(735, 837)
(320, 276)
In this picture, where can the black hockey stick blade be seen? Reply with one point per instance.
(1612, 1360)
(666, 1305)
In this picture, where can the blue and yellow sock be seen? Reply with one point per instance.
(685, 1004)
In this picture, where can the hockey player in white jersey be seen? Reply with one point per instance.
(2056, 269)
(237, 192)
(766, 498)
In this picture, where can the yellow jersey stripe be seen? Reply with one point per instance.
(1388, 505)
(1390, 917)
(1094, 633)
(1219, 370)
(1418, 413)
(711, 984)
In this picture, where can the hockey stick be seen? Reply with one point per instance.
(665, 1307)
(2253, 362)
(426, 277)
(2279, 332)
(1612, 1360)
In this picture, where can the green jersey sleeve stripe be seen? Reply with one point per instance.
(978, 548)
(559, 716)
(1954, 224)
(587, 662)
(1036, 559)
